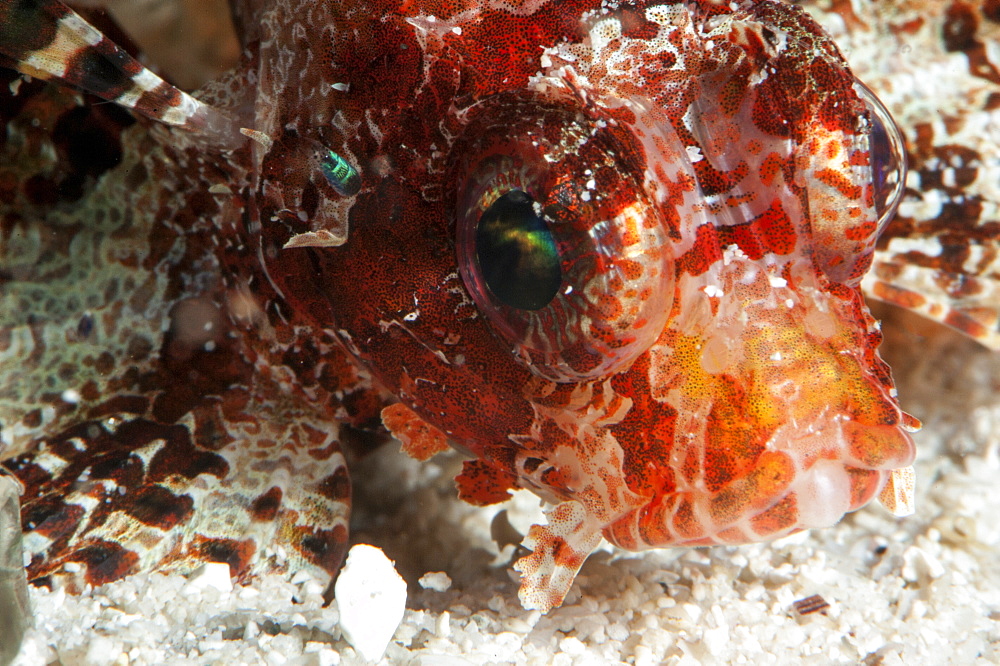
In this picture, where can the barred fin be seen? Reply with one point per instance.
(963, 294)
(48, 40)
(122, 492)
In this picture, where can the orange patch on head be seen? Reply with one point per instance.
(860, 232)
(735, 435)
(420, 439)
(733, 535)
(653, 520)
(729, 505)
(776, 229)
(630, 270)
(839, 182)
(686, 524)
(772, 475)
(770, 168)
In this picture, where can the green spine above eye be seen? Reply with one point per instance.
(340, 174)
(517, 253)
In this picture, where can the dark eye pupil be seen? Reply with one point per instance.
(517, 253)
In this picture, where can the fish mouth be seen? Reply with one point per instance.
(776, 412)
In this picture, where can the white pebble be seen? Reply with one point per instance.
(371, 597)
(433, 659)
(435, 580)
(443, 627)
(326, 656)
(572, 645)
(211, 574)
(618, 632)
(101, 651)
(920, 565)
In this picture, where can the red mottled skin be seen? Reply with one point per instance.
(707, 373)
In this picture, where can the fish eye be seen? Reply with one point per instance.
(888, 157)
(517, 254)
(558, 243)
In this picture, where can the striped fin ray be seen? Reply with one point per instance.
(954, 283)
(48, 40)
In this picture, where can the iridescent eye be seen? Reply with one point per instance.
(517, 253)
(558, 243)
(888, 157)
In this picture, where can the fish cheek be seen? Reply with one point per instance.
(393, 296)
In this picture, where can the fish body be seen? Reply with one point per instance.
(614, 253)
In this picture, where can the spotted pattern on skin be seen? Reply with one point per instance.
(728, 146)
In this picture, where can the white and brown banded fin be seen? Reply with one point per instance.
(966, 301)
(46, 39)
(125, 492)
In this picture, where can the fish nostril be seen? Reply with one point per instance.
(532, 464)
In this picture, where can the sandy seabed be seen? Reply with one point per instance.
(918, 590)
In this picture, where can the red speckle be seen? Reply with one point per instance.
(483, 484)
(703, 254)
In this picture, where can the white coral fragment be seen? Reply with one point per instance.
(371, 597)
